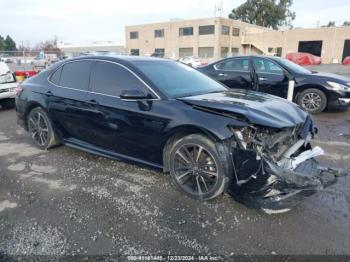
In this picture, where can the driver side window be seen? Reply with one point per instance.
(234, 64)
(112, 79)
(262, 65)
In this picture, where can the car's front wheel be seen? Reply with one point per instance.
(312, 100)
(40, 129)
(197, 167)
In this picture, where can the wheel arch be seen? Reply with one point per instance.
(30, 106)
(303, 87)
(179, 132)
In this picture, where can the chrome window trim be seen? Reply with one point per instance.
(102, 60)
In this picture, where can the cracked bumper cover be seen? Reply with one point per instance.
(277, 190)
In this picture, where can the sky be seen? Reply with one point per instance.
(75, 21)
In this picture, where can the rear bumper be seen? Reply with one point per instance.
(20, 112)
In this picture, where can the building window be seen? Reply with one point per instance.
(185, 52)
(234, 51)
(159, 33)
(279, 51)
(135, 52)
(206, 52)
(224, 52)
(134, 35)
(270, 49)
(159, 52)
(206, 30)
(186, 31)
(235, 31)
(225, 30)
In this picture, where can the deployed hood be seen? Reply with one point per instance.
(257, 108)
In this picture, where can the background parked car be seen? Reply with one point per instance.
(191, 61)
(6, 58)
(7, 86)
(313, 91)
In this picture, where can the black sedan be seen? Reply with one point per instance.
(167, 115)
(313, 91)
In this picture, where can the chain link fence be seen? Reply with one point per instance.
(29, 60)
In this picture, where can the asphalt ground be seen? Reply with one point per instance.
(65, 201)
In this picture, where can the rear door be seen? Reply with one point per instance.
(270, 77)
(234, 73)
(66, 99)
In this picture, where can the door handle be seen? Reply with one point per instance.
(49, 93)
(262, 78)
(222, 74)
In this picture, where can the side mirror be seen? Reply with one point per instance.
(133, 95)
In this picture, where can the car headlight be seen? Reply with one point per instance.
(338, 87)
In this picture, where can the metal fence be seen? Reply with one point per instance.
(29, 60)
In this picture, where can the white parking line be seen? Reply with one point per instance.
(332, 143)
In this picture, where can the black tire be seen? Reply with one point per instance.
(312, 100)
(207, 175)
(7, 103)
(40, 129)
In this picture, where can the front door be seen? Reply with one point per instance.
(125, 127)
(234, 73)
(270, 77)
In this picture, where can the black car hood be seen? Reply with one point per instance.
(330, 77)
(258, 108)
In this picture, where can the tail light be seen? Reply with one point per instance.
(18, 89)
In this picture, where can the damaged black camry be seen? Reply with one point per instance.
(164, 114)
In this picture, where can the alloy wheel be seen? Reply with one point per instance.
(311, 101)
(38, 128)
(195, 169)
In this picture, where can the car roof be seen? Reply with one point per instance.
(121, 59)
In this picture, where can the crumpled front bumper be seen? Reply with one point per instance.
(277, 190)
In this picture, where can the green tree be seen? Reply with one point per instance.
(330, 24)
(2, 44)
(9, 44)
(346, 23)
(267, 13)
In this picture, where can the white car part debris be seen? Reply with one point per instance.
(316, 151)
(278, 211)
(292, 163)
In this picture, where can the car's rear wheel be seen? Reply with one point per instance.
(312, 100)
(40, 129)
(196, 167)
(7, 103)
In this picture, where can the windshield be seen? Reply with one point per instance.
(178, 80)
(292, 66)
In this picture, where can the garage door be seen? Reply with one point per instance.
(346, 51)
(311, 47)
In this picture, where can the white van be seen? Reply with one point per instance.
(8, 85)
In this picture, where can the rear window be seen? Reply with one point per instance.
(55, 77)
(75, 75)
